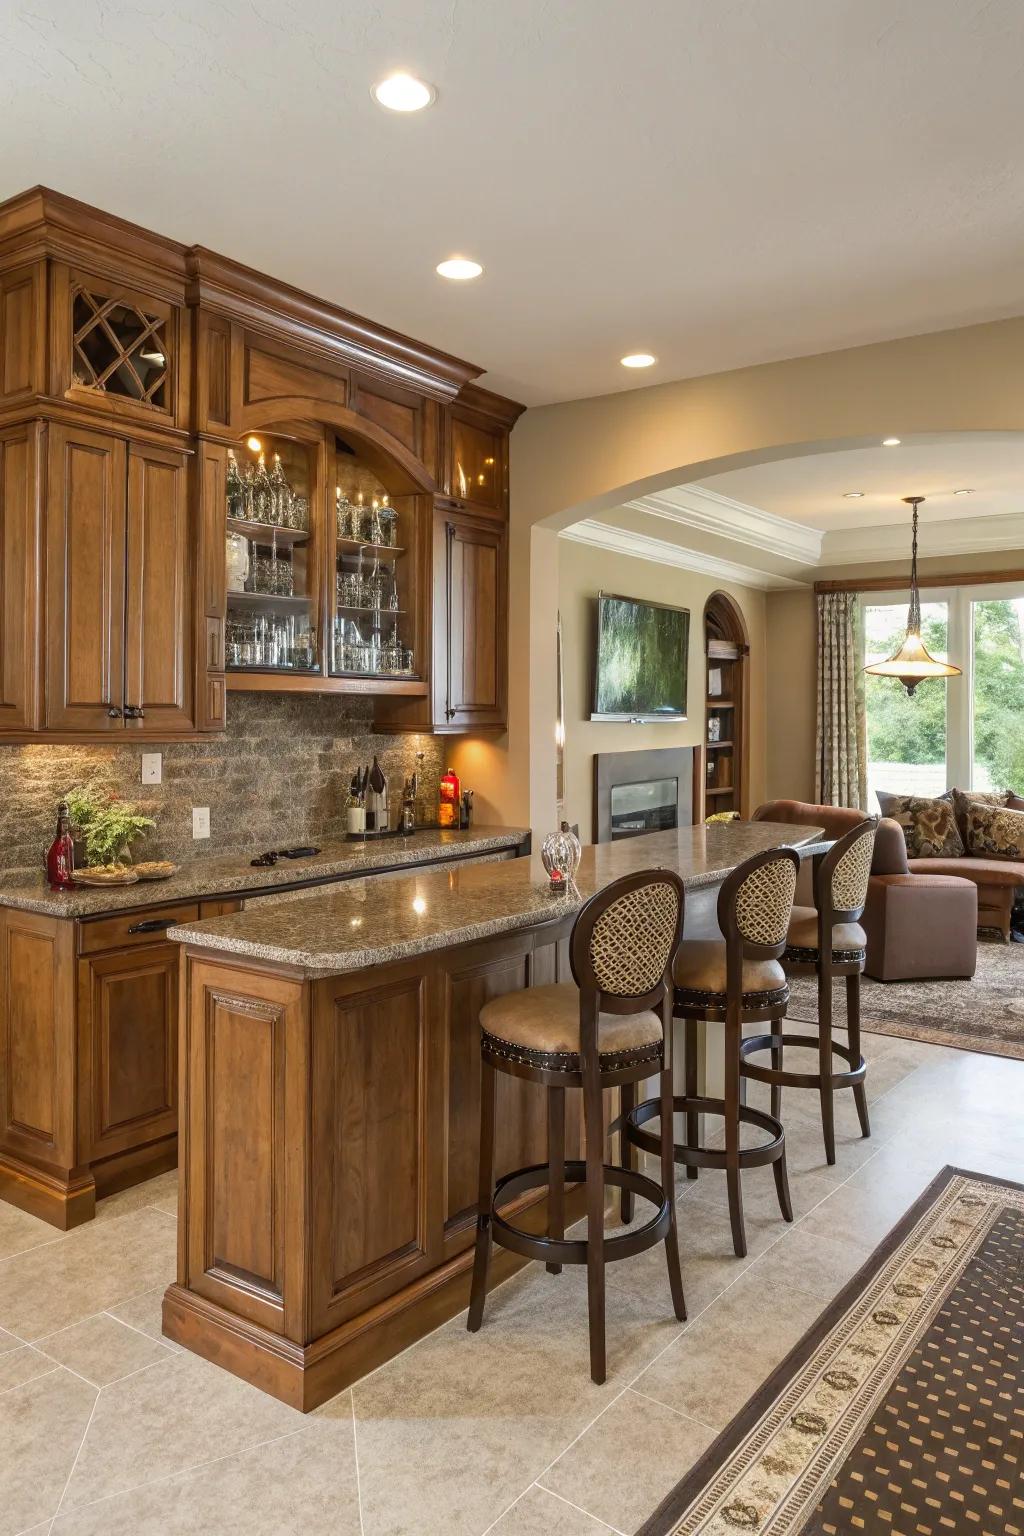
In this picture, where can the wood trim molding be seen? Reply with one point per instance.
(899, 580)
(641, 546)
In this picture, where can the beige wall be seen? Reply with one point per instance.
(582, 572)
(791, 641)
(585, 456)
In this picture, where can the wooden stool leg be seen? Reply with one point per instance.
(556, 1166)
(775, 1108)
(485, 1195)
(593, 1124)
(627, 1102)
(690, 1086)
(782, 1187)
(732, 1136)
(860, 1097)
(825, 1060)
(668, 1184)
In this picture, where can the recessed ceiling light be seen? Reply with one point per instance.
(459, 268)
(403, 93)
(890, 442)
(853, 495)
(638, 360)
(966, 490)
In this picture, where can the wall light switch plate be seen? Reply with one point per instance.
(200, 821)
(151, 772)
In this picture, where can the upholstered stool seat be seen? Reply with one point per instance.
(541, 1026)
(700, 975)
(849, 941)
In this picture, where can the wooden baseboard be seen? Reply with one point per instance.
(134, 1167)
(64, 1203)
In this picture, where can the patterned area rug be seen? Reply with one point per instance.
(902, 1410)
(983, 1014)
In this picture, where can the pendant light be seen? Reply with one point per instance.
(913, 663)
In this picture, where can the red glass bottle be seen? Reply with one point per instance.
(448, 800)
(60, 860)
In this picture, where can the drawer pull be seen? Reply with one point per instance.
(153, 925)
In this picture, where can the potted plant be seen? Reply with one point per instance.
(106, 828)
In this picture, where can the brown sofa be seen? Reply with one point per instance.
(919, 923)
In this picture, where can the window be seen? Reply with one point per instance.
(968, 731)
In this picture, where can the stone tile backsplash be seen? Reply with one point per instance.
(279, 776)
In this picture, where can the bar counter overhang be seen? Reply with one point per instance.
(330, 1100)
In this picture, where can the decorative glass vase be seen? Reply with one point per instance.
(560, 854)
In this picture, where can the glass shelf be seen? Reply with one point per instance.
(349, 548)
(267, 533)
(275, 602)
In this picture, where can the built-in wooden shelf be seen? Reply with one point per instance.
(267, 533)
(721, 789)
(348, 608)
(715, 746)
(306, 682)
(720, 704)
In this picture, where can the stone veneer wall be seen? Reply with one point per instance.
(279, 776)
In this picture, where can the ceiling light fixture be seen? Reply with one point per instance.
(966, 490)
(402, 92)
(638, 360)
(459, 269)
(852, 495)
(890, 442)
(912, 663)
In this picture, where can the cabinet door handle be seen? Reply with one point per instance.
(153, 925)
(449, 534)
(134, 712)
(113, 713)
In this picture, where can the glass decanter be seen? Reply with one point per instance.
(263, 494)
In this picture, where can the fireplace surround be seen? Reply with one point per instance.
(642, 791)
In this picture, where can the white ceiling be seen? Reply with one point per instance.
(718, 181)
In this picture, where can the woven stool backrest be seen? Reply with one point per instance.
(626, 937)
(847, 867)
(757, 899)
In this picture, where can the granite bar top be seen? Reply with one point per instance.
(227, 875)
(365, 923)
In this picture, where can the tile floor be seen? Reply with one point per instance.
(106, 1430)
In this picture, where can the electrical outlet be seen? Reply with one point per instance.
(200, 821)
(151, 771)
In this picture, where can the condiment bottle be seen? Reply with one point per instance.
(450, 795)
(60, 860)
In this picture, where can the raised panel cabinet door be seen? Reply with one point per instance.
(37, 1038)
(19, 579)
(128, 1023)
(470, 653)
(85, 526)
(158, 630)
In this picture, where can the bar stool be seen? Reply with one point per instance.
(826, 942)
(612, 1027)
(735, 980)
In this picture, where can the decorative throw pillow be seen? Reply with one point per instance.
(929, 826)
(995, 832)
(963, 799)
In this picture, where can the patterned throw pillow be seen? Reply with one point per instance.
(929, 826)
(963, 799)
(995, 832)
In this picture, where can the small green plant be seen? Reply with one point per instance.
(108, 827)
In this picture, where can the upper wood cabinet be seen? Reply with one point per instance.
(117, 642)
(20, 475)
(470, 623)
(477, 460)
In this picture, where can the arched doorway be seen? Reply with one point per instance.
(726, 724)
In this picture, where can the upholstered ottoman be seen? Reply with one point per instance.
(920, 927)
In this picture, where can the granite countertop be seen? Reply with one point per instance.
(365, 923)
(226, 875)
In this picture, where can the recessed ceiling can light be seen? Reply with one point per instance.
(638, 360)
(459, 269)
(402, 92)
(965, 490)
(853, 495)
(890, 442)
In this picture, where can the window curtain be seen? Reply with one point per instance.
(840, 776)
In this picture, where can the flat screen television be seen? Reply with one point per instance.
(641, 660)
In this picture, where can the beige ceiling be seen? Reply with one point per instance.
(718, 181)
(810, 490)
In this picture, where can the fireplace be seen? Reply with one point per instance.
(640, 792)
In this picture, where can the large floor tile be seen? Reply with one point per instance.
(301, 1485)
(167, 1420)
(21, 1365)
(709, 1263)
(145, 1312)
(818, 1268)
(41, 1429)
(161, 1192)
(626, 1462)
(19, 1231)
(85, 1272)
(539, 1513)
(102, 1350)
(451, 1433)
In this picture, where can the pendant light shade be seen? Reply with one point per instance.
(913, 663)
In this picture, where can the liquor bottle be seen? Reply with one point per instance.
(235, 488)
(449, 798)
(60, 859)
(262, 491)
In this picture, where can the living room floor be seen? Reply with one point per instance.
(106, 1429)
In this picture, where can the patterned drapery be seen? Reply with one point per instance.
(840, 772)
